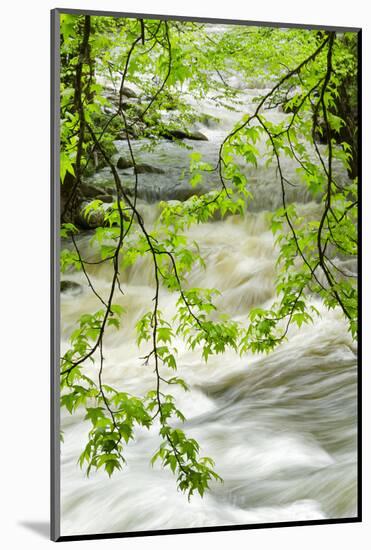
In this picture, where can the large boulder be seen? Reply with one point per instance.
(105, 198)
(70, 287)
(128, 92)
(90, 220)
(90, 191)
(142, 168)
(198, 136)
(182, 193)
(184, 134)
(108, 110)
(134, 131)
(124, 162)
(132, 108)
(109, 190)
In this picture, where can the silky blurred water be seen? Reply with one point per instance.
(281, 428)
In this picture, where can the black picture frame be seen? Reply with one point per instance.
(55, 281)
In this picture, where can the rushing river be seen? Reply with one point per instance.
(281, 428)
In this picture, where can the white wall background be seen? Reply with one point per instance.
(24, 254)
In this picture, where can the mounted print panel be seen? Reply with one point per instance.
(205, 243)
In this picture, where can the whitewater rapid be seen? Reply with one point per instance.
(281, 428)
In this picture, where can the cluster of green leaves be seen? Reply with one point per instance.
(181, 454)
(85, 339)
(201, 330)
(113, 420)
(178, 452)
(308, 248)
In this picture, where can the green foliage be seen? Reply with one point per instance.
(113, 419)
(180, 453)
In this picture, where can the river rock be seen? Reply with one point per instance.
(92, 220)
(112, 97)
(143, 168)
(124, 162)
(128, 92)
(198, 136)
(184, 134)
(90, 191)
(71, 287)
(108, 110)
(184, 192)
(133, 132)
(122, 135)
(109, 190)
(105, 198)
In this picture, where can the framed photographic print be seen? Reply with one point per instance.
(205, 239)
